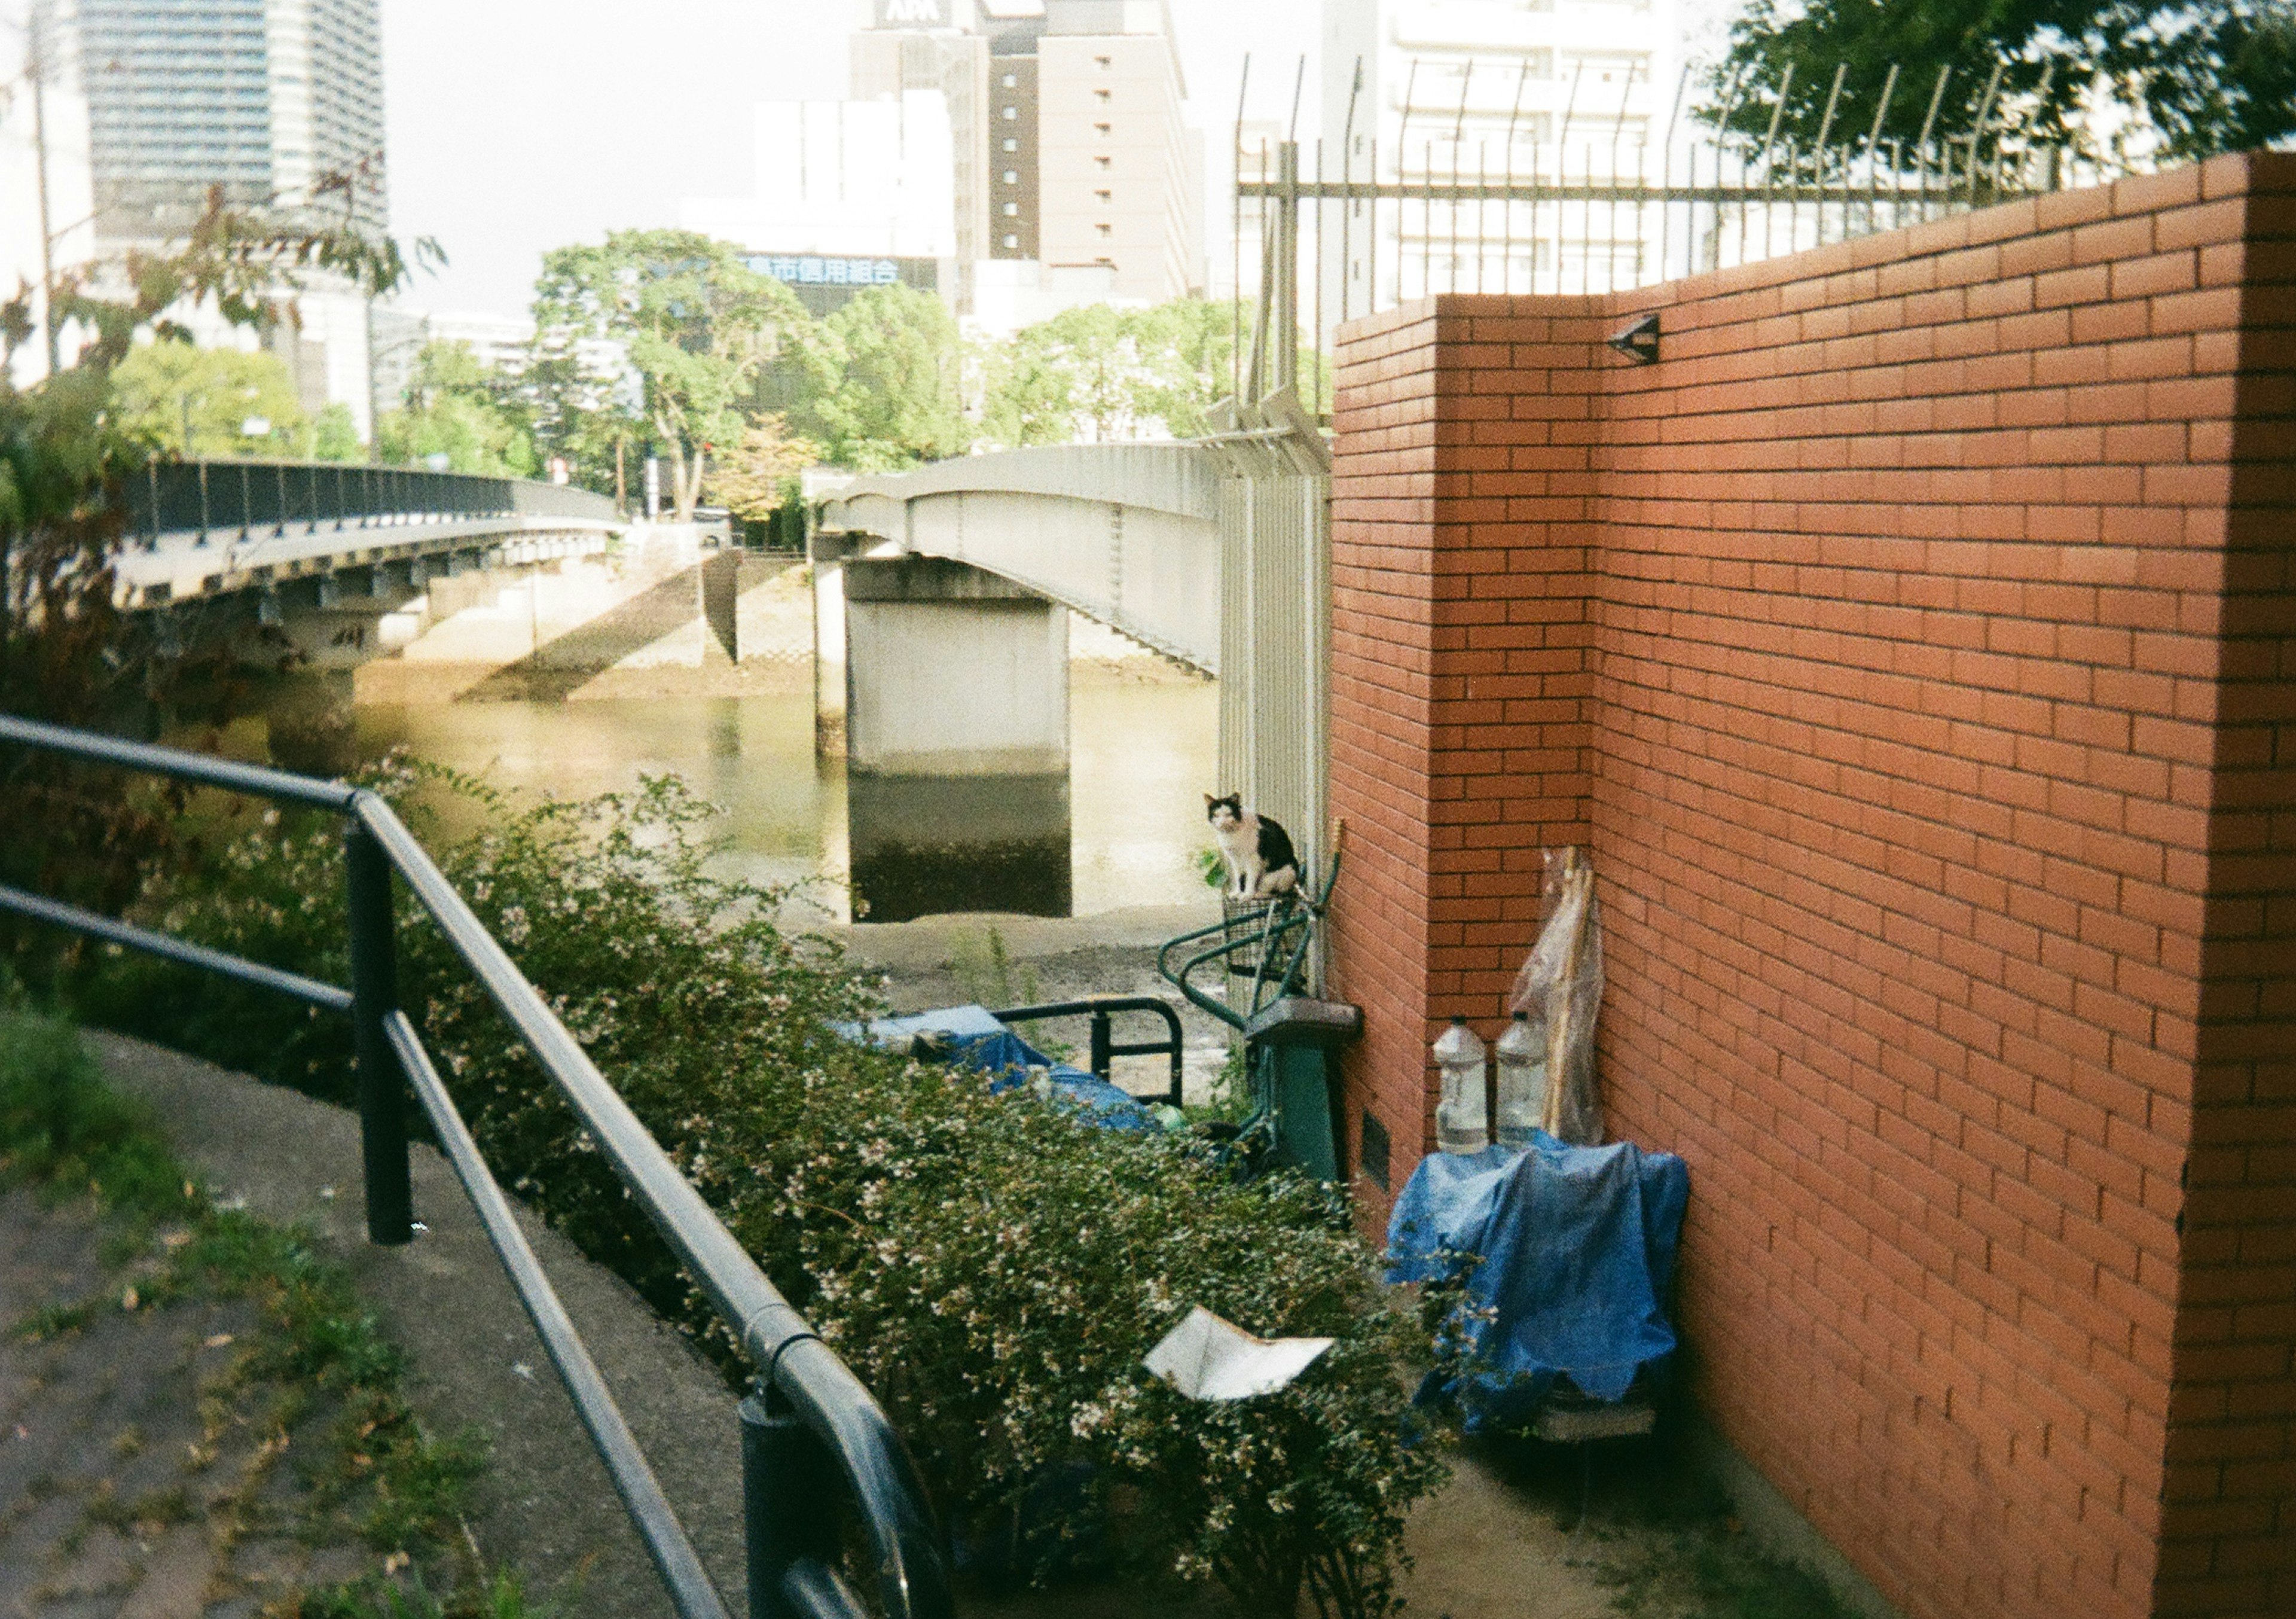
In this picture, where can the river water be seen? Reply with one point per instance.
(1142, 752)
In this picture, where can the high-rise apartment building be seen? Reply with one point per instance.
(1120, 176)
(268, 99)
(1444, 90)
(278, 102)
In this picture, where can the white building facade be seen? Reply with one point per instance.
(1460, 94)
(1031, 155)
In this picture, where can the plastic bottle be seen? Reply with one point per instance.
(1522, 1080)
(1462, 1120)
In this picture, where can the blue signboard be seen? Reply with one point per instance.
(808, 270)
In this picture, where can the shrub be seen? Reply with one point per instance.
(992, 1269)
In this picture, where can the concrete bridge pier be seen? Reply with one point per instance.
(956, 699)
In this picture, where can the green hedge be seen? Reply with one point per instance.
(992, 1269)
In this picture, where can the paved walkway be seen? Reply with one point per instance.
(143, 1472)
(545, 1506)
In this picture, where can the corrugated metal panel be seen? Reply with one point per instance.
(1275, 629)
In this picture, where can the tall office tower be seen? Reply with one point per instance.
(1421, 90)
(267, 99)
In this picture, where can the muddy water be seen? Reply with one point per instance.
(1143, 752)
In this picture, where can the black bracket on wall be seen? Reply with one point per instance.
(1639, 342)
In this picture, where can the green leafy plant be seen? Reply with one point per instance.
(992, 1269)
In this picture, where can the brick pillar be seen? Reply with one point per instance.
(2228, 1529)
(1462, 505)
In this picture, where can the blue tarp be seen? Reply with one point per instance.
(1576, 1246)
(980, 1042)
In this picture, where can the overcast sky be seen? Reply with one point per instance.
(517, 126)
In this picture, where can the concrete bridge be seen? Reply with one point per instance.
(1126, 534)
(332, 556)
(946, 590)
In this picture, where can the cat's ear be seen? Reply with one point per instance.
(1209, 801)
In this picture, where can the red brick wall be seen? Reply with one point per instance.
(1914, 646)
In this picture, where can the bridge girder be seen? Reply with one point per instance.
(1126, 534)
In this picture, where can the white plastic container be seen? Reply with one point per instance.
(1462, 1116)
(1521, 1054)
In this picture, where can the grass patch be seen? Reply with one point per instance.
(502, 1595)
(53, 1320)
(62, 1128)
(64, 1133)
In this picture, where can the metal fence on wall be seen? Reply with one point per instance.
(1441, 209)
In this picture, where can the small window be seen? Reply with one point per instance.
(1103, 128)
(1104, 228)
(1103, 195)
(1011, 81)
(1011, 176)
(1101, 63)
(1100, 162)
(1010, 113)
(1010, 144)
(1011, 208)
(1103, 95)
(1011, 241)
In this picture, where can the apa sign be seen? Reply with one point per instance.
(912, 13)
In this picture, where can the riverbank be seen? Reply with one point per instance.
(1001, 960)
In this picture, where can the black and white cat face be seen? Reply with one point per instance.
(1225, 814)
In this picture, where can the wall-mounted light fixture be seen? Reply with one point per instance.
(1639, 342)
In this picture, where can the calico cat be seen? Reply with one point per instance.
(1261, 859)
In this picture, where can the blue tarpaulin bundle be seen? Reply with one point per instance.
(1576, 1248)
(977, 1040)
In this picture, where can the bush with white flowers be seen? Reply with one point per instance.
(994, 1270)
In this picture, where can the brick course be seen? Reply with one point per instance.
(1913, 647)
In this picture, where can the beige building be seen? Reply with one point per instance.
(1120, 175)
(1075, 174)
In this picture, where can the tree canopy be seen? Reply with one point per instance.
(887, 380)
(459, 408)
(695, 322)
(1097, 373)
(184, 401)
(2202, 77)
(756, 476)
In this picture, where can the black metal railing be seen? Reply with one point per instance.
(1101, 1009)
(814, 1443)
(244, 498)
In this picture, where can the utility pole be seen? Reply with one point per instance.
(36, 66)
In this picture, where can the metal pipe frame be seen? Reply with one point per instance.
(838, 1423)
(294, 985)
(1099, 1008)
(666, 1542)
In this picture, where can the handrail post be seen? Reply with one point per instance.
(374, 993)
(1103, 1062)
(789, 1493)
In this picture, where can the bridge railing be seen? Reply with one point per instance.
(246, 498)
(812, 1436)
